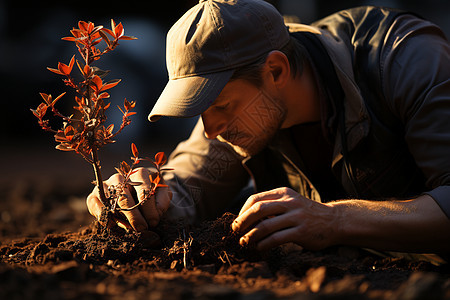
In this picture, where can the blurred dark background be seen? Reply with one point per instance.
(30, 41)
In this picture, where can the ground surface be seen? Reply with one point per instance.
(50, 248)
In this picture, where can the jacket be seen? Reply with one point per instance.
(392, 135)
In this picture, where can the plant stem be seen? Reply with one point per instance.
(98, 178)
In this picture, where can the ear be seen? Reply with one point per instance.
(277, 68)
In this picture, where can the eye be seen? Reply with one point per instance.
(222, 106)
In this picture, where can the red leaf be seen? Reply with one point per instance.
(69, 131)
(104, 37)
(113, 25)
(134, 150)
(110, 84)
(55, 71)
(80, 68)
(110, 128)
(83, 25)
(72, 60)
(63, 68)
(64, 147)
(97, 83)
(79, 100)
(57, 98)
(42, 109)
(45, 97)
(103, 95)
(96, 29)
(90, 27)
(66, 69)
(119, 31)
(155, 180)
(120, 172)
(128, 38)
(125, 167)
(34, 113)
(160, 158)
(128, 105)
(109, 31)
(76, 35)
(69, 38)
(87, 70)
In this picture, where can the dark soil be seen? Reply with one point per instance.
(50, 248)
(204, 262)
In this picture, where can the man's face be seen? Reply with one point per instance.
(244, 116)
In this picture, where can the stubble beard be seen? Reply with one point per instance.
(250, 136)
(256, 146)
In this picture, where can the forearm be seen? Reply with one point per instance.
(416, 225)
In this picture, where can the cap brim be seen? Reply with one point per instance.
(189, 96)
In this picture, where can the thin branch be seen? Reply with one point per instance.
(98, 178)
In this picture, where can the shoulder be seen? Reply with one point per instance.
(414, 60)
(357, 20)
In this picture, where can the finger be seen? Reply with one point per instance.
(133, 216)
(148, 208)
(265, 228)
(157, 205)
(267, 195)
(277, 238)
(257, 212)
(94, 204)
(163, 198)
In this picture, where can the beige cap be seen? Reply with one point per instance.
(205, 46)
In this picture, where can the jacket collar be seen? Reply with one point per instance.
(357, 120)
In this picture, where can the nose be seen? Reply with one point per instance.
(213, 126)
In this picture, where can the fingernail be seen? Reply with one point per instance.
(235, 226)
(243, 241)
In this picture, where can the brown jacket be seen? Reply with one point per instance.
(394, 71)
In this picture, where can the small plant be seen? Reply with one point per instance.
(84, 131)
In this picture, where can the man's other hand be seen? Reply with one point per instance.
(147, 214)
(279, 216)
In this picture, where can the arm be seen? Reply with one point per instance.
(416, 225)
(282, 215)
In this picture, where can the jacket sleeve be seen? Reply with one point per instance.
(207, 175)
(416, 82)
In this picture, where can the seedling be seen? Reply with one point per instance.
(84, 131)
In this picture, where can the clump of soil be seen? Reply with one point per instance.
(213, 242)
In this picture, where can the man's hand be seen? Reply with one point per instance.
(279, 216)
(145, 215)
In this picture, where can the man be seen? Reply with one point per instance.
(343, 128)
